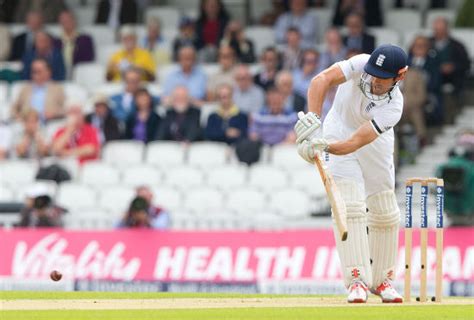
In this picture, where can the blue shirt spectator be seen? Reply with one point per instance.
(248, 97)
(302, 76)
(298, 17)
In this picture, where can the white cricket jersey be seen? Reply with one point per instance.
(354, 108)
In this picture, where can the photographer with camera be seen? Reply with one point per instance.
(40, 211)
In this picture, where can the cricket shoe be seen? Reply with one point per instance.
(388, 293)
(358, 292)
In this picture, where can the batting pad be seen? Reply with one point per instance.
(354, 252)
(384, 222)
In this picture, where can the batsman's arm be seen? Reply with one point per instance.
(320, 85)
(364, 135)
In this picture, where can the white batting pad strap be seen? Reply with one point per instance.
(384, 221)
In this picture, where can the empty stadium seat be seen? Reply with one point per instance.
(246, 201)
(89, 219)
(402, 20)
(141, 175)
(75, 92)
(163, 72)
(261, 37)
(205, 154)
(6, 194)
(101, 34)
(431, 15)
(3, 91)
(184, 178)
(308, 180)
(206, 111)
(165, 153)
(258, 8)
(204, 201)
(95, 173)
(105, 52)
(123, 153)
(266, 177)
(89, 75)
(324, 21)
(227, 177)
(74, 196)
(116, 200)
(168, 15)
(169, 199)
(385, 36)
(285, 155)
(85, 16)
(210, 69)
(290, 202)
(18, 172)
(109, 89)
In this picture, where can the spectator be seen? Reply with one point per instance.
(301, 18)
(25, 41)
(158, 217)
(130, 56)
(40, 211)
(455, 64)
(426, 60)
(269, 68)
(50, 9)
(77, 139)
(293, 102)
(42, 95)
(368, 9)
(6, 137)
(186, 37)
(5, 41)
(142, 125)
(182, 120)
(292, 51)
(226, 71)
(210, 26)
(116, 13)
(357, 39)
(270, 17)
(137, 215)
(273, 125)
(227, 124)
(103, 121)
(302, 77)
(187, 74)
(76, 47)
(334, 49)
(30, 141)
(123, 103)
(155, 43)
(234, 36)
(44, 48)
(247, 96)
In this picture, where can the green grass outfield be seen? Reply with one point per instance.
(326, 307)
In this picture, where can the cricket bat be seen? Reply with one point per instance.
(334, 196)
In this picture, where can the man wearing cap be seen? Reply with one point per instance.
(359, 140)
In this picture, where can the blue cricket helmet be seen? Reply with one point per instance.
(386, 61)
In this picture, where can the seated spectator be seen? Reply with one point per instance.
(50, 9)
(130, 56)
(234, 36)
(158, 217)
(186, 37)
(370, 10)
(292, 50)
(42, 212)
(187, 74)
(155, 43)
(273, 125)
(248, 97)
(25, 40)
(298, 17)
(41, 94)
(357, 38)
(137, 215)
(210, 25)
(270, 64)
(103, 120)
(226, 59)
(427, 61)
(116, 13)
(44, 49)
(293, 102)
(76, 47)
(227, 124)
(122, 104)
(5, 41)
(455, 64)
(335, 50)
(143, 123)
(77, 139)
(182, 120)
(30, 141)
(270, 17)
(6, 137)
(302, 76)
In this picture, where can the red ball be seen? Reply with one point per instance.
(55, 275)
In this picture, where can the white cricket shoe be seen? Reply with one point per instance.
(388, 293)
(358, 292)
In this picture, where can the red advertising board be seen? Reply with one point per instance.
(202, 256)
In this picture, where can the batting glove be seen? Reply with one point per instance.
(308, 149)
(306, 128)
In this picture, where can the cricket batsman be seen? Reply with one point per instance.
(359, 137)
